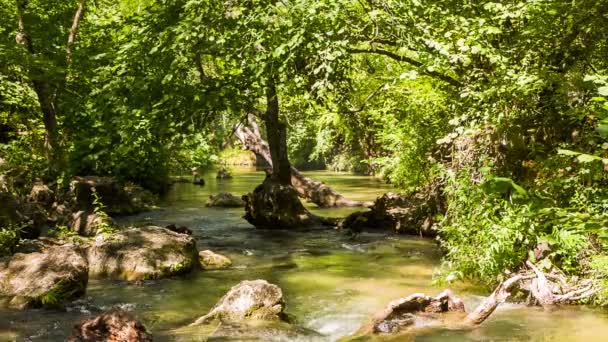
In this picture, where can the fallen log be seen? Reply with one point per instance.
(544, 288)
(401, 313)
(316, 192)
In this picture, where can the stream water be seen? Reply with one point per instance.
(331, 284)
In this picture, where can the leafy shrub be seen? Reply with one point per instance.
(9, 239)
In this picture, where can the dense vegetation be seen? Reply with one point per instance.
(505, 102)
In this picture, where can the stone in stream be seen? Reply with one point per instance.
(213, 261)
(142, 253)
(223, 173)
(225, 200)
(47, 275)
(248, 300)
(115, 326)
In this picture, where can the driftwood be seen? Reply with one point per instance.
(316, 192)
(544, 289)
(402, 312)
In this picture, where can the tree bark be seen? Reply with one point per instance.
(42, 89)
(47, 94)
(277, 137)
(316, 192)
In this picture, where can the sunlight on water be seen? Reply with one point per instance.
(331, 284)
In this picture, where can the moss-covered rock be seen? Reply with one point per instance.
(248, 300)
(213, 261)
(142, 253)
(47, 277)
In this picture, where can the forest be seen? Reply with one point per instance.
(164, 160)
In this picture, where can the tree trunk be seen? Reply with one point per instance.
(316, 192)
(277, 137)
(275, 204)
(43, 89)
(47, 96)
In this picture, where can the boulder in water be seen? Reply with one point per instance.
(223, 173)
(213, 261)
(250, 299)
(225, 200)
(115, 326)
(142, 253)
(49, 275)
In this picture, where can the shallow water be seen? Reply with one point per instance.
(331, 284)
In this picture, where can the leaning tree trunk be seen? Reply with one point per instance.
(275, 203)
(316, 192)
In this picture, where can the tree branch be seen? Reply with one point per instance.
(400, 58)
(74, 31)
(368, 98)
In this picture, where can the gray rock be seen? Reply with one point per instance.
(248, 300)
(48, 276)
(142, 253)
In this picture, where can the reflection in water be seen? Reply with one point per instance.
(331, 284)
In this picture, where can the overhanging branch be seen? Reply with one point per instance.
(400, 58)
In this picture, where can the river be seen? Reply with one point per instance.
(331, 283)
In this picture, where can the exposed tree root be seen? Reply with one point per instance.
(544, 289)
(275, 206)
(316, 192)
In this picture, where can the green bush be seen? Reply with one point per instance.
(9, 239)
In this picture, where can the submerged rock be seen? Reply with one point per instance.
(264, 331)
(213, 261)
(116, 326)
(225, 200)
(142, 253)
(46, 276)
(250, 299)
